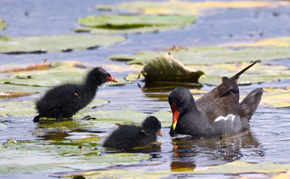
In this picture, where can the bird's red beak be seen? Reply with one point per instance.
(160, 133)
(175, 114)
(110, 78)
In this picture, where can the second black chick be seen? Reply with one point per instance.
(127, 137)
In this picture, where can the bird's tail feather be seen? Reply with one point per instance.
(250, 103)
(236, 76)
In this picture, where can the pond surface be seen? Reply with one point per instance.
(268, 139)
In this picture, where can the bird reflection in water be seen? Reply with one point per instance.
(190, 152)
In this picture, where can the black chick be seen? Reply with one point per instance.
(127, 137)
(65, 100)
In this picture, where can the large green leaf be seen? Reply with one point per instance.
(167, 68)
(16, 108)
(27, 107)
(123, 116)
(40, 80)
(277, 42)
(3, 25)
(243, 167)
(121, 172)
(55, 43)
(258, 73)
(10, 88)
(45, 156)
(134, 23)
(210, 55)
(236, 167)
(45, 78)
(182, 7)
(277, 97)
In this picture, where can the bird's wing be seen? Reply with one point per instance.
(222, 100)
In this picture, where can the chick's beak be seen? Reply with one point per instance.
(110, 78)
(160, 133)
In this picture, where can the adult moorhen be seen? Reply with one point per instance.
(216, 113)
(127, 137)
(65, 100)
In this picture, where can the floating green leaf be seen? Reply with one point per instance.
(117, 158)
(20, 88)
(115, 173)
(182, 7)
(27, 107)
(56, 43)
(16, 108)
(3, 25)
(40, 80)
(210, 55)
(45, 78)
(44, 156)
(167, 68)
(277, 97)
(236, 167)
(277, 42)
(239, 167)
(134, 23)
(258, 73)
(123, 116)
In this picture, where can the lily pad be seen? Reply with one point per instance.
(114, 173)
(10, 88)
(48, 78)
(134, 23)
(183, 7)
(56, 43)
(209, 55)
(236, 167)
(3, 25)
(277, 97)
(258, 73)
(40, 80)
(277, 42)
(16, 108)
(27, 107)
(239, 167)
(44, 156)
(167, 68)
(124, 116)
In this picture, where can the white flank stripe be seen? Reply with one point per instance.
(228, 117)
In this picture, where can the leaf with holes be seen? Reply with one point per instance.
(167, 68)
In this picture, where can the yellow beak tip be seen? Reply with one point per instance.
(174, 125)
